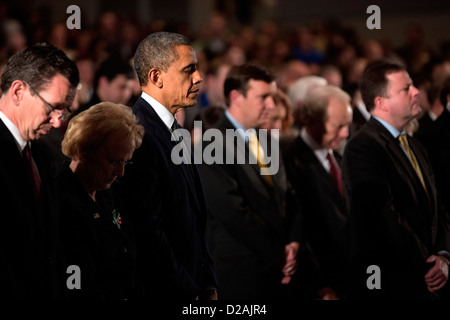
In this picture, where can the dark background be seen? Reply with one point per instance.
(433, 16)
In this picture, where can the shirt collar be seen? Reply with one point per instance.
(233, 121)
(394, 132)
(165, 115)
(432, 115)
(362, 108)
(321, 153)
(237, 125)
(20, 142)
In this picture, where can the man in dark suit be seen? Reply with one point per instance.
(38, 85)
(400, 241)
(313, 168)
(166, 200)
(252, 244)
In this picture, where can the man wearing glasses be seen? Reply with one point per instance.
(38, 85)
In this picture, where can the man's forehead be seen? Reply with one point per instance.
(186, 53)
(399, 76)
(260, 84)
(273, 87)
(60, 90)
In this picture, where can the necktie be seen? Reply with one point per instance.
(335, 173)
(175, 125)
(31, 169)
(412, 158)
(258, 153)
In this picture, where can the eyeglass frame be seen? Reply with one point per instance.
(63, 113)
(116, 163)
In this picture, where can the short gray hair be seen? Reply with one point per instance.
(157, 51)
(297, 92)
(315, 104)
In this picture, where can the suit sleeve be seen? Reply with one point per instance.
(158, 266)
(226, 203)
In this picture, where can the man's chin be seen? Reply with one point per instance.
(417, 109)
(37, 136)
(190, 104)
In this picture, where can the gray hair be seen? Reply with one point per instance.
(315, 104)
(157, 51)
(297, 92)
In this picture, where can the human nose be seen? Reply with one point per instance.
(415, 91)
(119, 170)
(197, 77)
(55, 120)
(270, 103)
(344, 132)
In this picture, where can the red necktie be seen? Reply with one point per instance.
(335, 173)
(32, 170)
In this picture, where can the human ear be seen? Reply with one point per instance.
(235, 96)
(381, 103)
(17, 91)
(154, 77)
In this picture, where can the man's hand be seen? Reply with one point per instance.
(209, 295)
(437, 276)
(327, 294)
(290, 266)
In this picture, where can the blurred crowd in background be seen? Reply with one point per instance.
(325, 48)
(300, 56)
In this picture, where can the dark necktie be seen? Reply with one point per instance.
(175, 125)
(335, 173)
(31, 170)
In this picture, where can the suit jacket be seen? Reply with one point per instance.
(95, 240)
(247, 224)
(435, 137)
(395, 224)
(30, 251)
(324, 213)
(167, 206)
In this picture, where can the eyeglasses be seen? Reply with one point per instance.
(63, 114)
(119, 163)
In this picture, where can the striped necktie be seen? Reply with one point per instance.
(412, 158)
(258, 153)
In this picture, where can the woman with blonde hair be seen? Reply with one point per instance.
(95, 232)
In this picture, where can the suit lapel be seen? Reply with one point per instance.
(10, 152)
(307, 156)
(40, 216)
(12, 160)
(426, 170)
(252, 173)
(156, 127)
(405, 169)
(252, 170)
(399, 157)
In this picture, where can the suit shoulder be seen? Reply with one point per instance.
(367, 142)
(367, 134)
